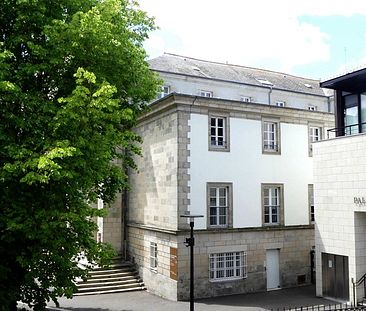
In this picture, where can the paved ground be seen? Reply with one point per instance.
(144, 301)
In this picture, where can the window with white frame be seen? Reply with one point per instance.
(270, 136)
(312, 108)
(272, 204)
(218, 132)
(311, 203)
(153, 255)
(205, 93)
(164, 91)
(280, 104)
(245, 99)
(314, 135)
(219, 202)
(228, 266)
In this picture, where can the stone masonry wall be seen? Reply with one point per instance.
(158, 282)
(294, 245)
(154, 194)
(112, 224)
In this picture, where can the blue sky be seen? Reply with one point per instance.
(316, 39)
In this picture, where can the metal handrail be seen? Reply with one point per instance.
(346, 130)
(362, 280)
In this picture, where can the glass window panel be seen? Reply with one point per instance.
(363, 112)
(274, 210)
(351, 118)
(220, 122)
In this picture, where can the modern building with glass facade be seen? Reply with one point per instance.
(340, 193)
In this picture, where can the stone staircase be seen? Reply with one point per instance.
(119, 277)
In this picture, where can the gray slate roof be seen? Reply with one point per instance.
(212, 70)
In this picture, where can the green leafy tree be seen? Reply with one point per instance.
(73, 80)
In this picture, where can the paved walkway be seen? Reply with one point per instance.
(144, 301)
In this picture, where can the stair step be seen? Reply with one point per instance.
(137, 288)
(115, 265)
(108, 274)
(112, 287)
(109, 271)
(110, 278)
(105, 284)
(118, 277)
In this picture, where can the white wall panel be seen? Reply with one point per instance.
(246, 168)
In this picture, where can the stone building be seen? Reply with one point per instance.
(233, 144)
(340, 193)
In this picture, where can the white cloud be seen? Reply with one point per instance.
(245, 32)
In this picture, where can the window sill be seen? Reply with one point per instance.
(228, 279)
(220, 149)
(154, 270)
(274, 152)
(217, 227)
(272, 225)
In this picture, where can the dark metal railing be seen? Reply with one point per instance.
(347, 130)
(331, 307)
(361, 281)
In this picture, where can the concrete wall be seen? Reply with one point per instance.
(339, 177)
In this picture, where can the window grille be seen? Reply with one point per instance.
(228, 266)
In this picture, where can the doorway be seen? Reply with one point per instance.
(273, 269)
(335, 276)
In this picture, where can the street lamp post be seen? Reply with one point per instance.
(190, 242)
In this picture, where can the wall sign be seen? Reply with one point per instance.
(174, 263)
(360, 201)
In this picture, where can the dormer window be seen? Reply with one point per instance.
(246, 99)
(204, 93)
(280, 104)
(312, 108)
(165, 90)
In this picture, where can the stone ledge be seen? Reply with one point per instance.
(220, 231)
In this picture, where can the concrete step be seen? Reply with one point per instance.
(137, 288)
(110, 271)
(106, 284)
(112, 275)
(110, 278)
(111, 287)
(118, 277)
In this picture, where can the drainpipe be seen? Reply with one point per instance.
(124, 222)
(269, 95)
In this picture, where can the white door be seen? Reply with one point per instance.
(273, 268)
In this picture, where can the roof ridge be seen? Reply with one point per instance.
(241, 66)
